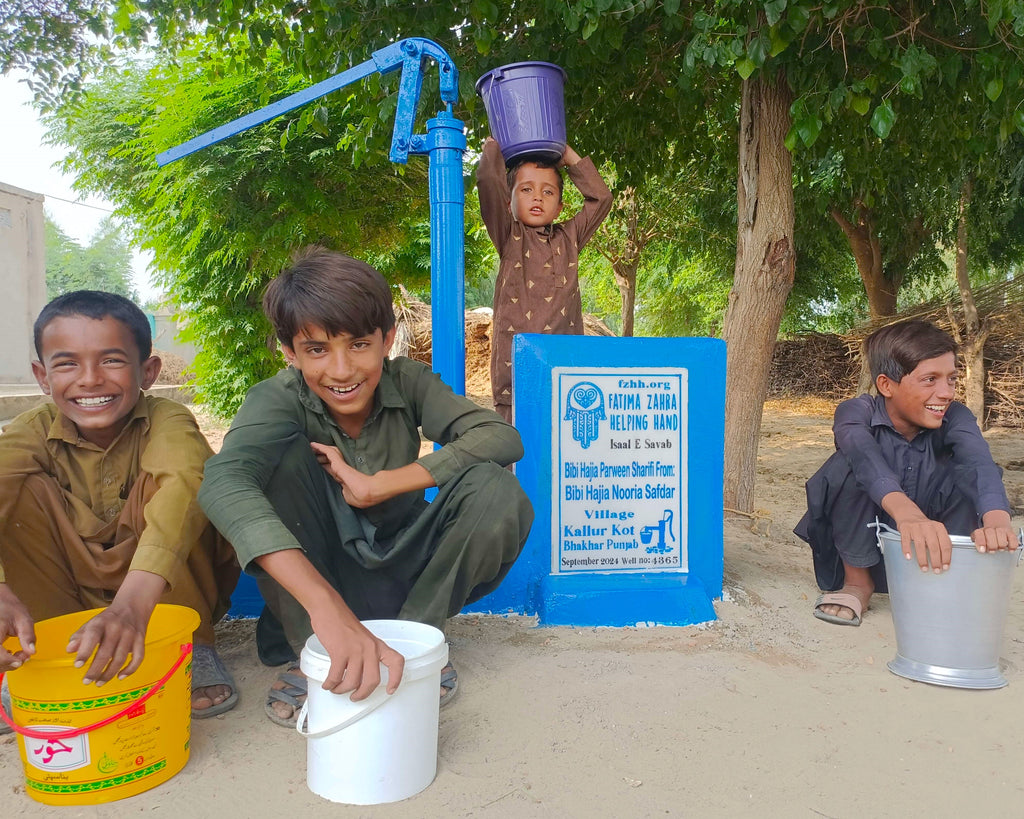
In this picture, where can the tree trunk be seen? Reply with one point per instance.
(765, 265)
(626, 265)
(625, 278)
(972, 343)
(867, 253)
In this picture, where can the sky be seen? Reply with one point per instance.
(25, 162)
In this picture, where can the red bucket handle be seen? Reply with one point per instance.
(186, 649)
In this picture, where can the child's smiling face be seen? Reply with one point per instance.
(536, 198)
(91, 368)
(920, 399)
(343, 370)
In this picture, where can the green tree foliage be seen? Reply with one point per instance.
(104, 264)
(865, 77)
(677, 229)
(224, 221)
(60, 43)
(852, 81)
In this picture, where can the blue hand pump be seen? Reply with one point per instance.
(444, 144)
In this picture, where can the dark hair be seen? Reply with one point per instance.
(897, 349)
(330, 290)
(513, 170)
(96, 304)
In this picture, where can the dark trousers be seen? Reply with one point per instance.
(457, 549)
(839, 511)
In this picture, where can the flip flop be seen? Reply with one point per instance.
(846, 599)
(208, 669)
(294, 687)
(449, 684)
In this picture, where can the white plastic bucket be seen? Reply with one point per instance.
(949, 627)
(384, 748)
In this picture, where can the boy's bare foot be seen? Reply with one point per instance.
(213, 688)
(286, 696)
(848, 604)
(209, 696)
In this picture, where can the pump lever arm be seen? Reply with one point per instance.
(408, 54)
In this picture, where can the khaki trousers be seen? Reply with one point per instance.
(54, 571)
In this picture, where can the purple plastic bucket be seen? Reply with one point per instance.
(525, 105)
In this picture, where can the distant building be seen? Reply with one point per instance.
(165, 334)
(22, 279)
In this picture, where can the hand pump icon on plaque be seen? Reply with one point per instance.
(647, 534)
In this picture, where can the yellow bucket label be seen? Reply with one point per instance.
(56, 707)
(97, 785)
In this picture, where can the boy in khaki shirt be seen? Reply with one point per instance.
(98, 502)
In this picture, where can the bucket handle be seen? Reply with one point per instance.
(70, 733)
(370, 704)
(879, 527)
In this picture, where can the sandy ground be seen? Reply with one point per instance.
(764, 712)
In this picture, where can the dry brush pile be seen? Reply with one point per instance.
(828, 366)
(413, 339)
(818, 365)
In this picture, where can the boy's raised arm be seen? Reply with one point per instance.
(597, 198)
(495, 198)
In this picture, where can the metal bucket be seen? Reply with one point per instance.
(949, 626)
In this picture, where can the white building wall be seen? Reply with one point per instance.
(22, 280)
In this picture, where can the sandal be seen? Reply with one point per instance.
(449, 684)
(208, 669)
(294, 687)
(840, 598)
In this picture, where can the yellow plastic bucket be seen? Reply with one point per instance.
(82, 745)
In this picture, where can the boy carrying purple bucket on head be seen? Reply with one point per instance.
(910, 456)
(537, 289)
(98, 502)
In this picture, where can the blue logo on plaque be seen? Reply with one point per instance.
(584, 406)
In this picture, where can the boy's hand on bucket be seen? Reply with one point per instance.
(356, 656)
(995, 534)
(569, 158)
(925, 539)
(929, 542)
(116, 637)
(15, 621)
